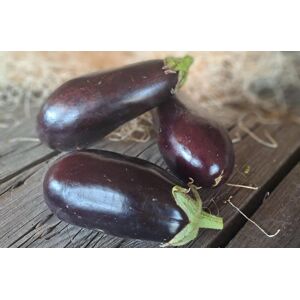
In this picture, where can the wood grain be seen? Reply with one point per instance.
(16, 154)
(26, 221)
(281, 210)
(267, 168)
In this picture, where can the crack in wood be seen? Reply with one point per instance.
(29, 166)
(72, 238)
(144, 150)
(46, 234)
(85, 239)
(91, 240)
(24, 234)
(44, 220)
(2, 155)
(33, 147)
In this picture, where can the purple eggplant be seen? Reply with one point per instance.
(84, 110)
(126, 197)
(193, 146)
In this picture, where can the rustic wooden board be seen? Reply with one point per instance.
(281, 210)
(22, 207)
(267, 168)
(26, 221)
(17, 153)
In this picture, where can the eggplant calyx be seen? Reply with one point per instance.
(197, 217)
(178, 65)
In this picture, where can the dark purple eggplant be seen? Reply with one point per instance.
(126, 197)
(193, 146)
(84, 110)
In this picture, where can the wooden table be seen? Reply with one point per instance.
(25, 220)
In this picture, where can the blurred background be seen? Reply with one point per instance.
(220, 83)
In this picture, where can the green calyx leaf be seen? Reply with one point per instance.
(180, 65)
(198, 218)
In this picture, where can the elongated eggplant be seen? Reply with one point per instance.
(85, 109)
(192, 146)
(125, 197)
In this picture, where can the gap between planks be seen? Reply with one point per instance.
(280, 210)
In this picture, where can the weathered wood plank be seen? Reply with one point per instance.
(16, 153)
(22, 208)
(72, 236)
(268, 168)
(281, 210)
(20, 148)
(27, 222)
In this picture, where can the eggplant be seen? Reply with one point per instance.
(193, 147)
(84, 110)
(125, 197)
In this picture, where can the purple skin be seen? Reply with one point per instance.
(122, 196)
(84, 110)
(192, 146)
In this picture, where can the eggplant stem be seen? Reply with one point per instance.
(210, 221)
(179, 65)
(198, 218)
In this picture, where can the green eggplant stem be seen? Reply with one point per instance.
(198, 218)
(181, 65)
(210, 221)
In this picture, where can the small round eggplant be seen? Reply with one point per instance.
(192, 146)
(84, 110)
(126, 197)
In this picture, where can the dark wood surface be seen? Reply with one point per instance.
(267, 168)
(281, 210)
(25, 220)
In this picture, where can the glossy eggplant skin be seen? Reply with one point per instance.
(85, 109)
(192, 146)
(122, 196)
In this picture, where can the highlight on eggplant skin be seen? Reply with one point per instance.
(85, 109)
(193, 146)
(122, 196)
